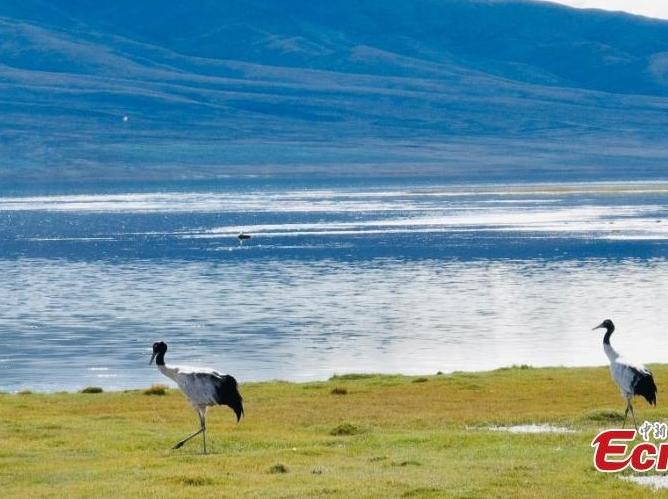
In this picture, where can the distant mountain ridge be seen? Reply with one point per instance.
(443, 87)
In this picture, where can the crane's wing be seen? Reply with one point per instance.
(222, 389)
(205, 386)
(637, 380)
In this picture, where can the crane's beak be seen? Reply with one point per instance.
(152, 357)
(598, 327)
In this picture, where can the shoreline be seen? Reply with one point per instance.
(413, 185)
(331, 379)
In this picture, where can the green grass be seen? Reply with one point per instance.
(156, 390)
(388, 436)
(92, 389)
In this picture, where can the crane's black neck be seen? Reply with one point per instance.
(608, 333)
(160, 359)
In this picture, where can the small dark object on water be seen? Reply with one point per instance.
(243, 237)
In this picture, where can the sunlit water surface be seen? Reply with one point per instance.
(347, 279)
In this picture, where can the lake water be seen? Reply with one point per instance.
(400, 277)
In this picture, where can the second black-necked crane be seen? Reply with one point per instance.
(632, 379)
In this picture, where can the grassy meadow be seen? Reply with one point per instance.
(351, 436)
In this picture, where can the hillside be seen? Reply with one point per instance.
(460, 88)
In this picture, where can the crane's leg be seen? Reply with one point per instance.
(626, 412)
(202, 419)
(633, 413)
(180, 443)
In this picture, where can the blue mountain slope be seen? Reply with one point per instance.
(450, 87)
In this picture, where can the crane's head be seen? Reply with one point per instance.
(606, 324)
(159, 347)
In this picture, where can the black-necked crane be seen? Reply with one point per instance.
(632, 379)
(203, 387)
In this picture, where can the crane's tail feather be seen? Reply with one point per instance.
(227, 393)
(646, 387)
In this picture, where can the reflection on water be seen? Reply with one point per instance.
(411, 281)
(68, 324)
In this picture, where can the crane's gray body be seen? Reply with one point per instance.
(202, 386)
